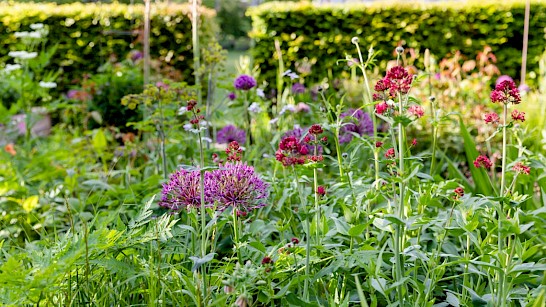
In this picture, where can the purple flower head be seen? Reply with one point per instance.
(72, 94)
(231, 96)
(229, 134)
(299, 134)
(298, 88)
(358, 122)
(236, 185)
(503, 78)
(244, 82)
(136, 55)
(524, 88)
(183, 190)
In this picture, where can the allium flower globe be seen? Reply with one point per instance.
(236, 185)
(183, 190)
(229, 134)
(358, 122)
(244, 82)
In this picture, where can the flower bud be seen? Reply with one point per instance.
(399, 50)
(354, 40)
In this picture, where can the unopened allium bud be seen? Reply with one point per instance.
(432, 98)
(399, 50)
(354, 40)
(344, 155)
(427, 58)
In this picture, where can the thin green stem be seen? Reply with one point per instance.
(317, 207)
(308, 235)
(236, 235)
(400, 210)
(501, 274)
(203, 212)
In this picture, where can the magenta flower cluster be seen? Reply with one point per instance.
(397, 81)
(229, 134)
(506, 92)
(233, 185)
(236, 185)
(244, 82)
(359, 122)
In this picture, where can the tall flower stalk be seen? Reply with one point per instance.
(505, 92)
(368, 101)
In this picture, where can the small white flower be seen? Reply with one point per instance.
(188, 127)
(35, 34)
(274, 121)
(255, 108)
(47, 84)
(203, 124)
(37, 26)
(206, 139)
(391, 103)
(260, 93)
(12, 67)
(289, 107)
(23, 55)
(182, 110)
(21, 34)
(291, 74)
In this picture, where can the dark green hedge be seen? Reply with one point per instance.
(323, 33)
(89, 34)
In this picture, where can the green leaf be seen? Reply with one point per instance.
(99, 140)
(479, 175)
(30, 203)
(198, 262)
(355, 231)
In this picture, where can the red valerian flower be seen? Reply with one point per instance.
(321, 190)
(416, 110)
(381, 107)
(316, 129)
(517, 115)
(506, 92)
(491, 118)
(520, 168)
(483, 161)
(459, 192)
(390, 153)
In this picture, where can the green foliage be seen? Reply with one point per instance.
(322, 34)
(88, 35)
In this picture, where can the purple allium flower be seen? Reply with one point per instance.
(503, 78)
(136, 55)
(360, 123)
(231, 96)
(183, 190)
(72, 94)
(236, 185)
(298, 88)
(229, 134)
(244, 82)
(524, 88)
(302, 108)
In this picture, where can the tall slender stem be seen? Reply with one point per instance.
(315, 188)
(236, 235)
(203, 212)
(400, 209)
(500, 239)
(196, 52)
(307, 235)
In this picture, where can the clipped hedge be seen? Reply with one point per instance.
(88, 35)
(323, 33)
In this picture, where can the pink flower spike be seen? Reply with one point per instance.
(483, 161)
(491, 118)
(517, 115)
(520, 168)
(416, 110)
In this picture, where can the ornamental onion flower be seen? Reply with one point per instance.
(244, 82)
(183, 191)
(360, 123)
(229, 134)
(236, 185)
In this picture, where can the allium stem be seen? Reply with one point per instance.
(248, 119)
(307, 236)
(203, 212)
(371, 110)
(236, 234)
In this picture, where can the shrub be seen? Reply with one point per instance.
(322, 33)
(89, 34)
